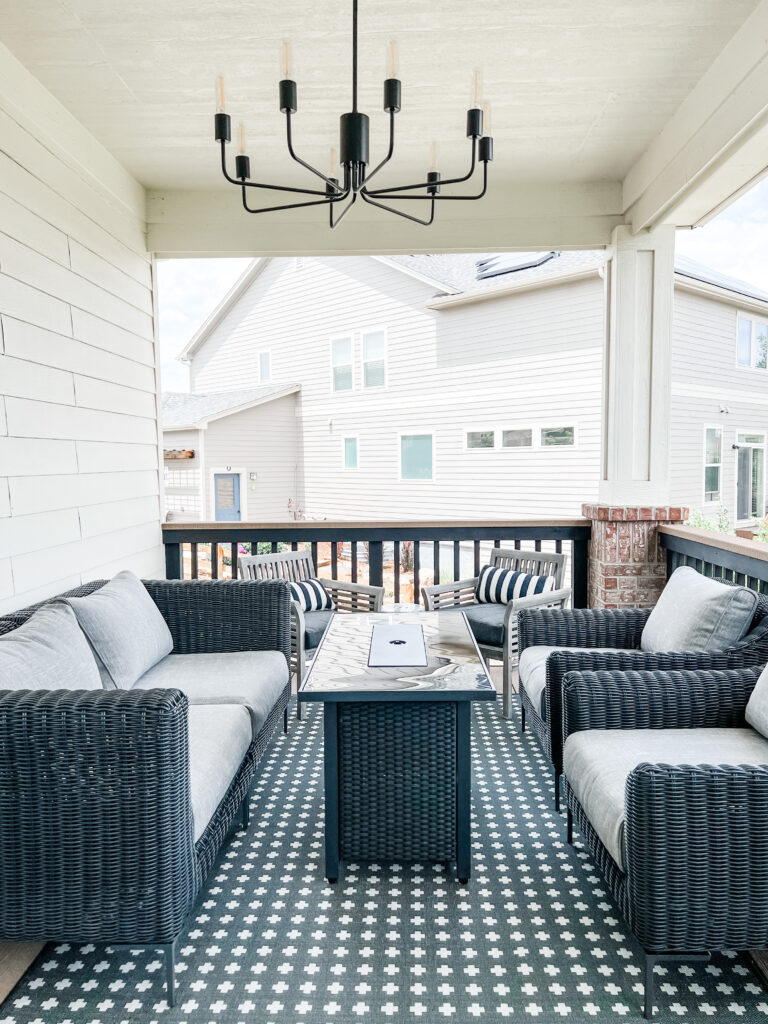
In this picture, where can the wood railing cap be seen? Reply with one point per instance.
(722, 541)
(326, 524)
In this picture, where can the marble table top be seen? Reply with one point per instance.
(455, 669)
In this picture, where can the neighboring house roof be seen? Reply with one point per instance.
(184, 412)
(459, 277)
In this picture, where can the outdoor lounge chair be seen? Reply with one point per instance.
(308, 627)
(668, 786)
(495, 625)
(556, 641)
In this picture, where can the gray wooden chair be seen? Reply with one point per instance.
(307, 628)
(495, 625)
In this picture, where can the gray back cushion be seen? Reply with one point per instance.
(757, 705)
(126, 630)
(695, 613)
(48, 652)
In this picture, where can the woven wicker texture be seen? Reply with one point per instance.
(397, 781)
(622, 629)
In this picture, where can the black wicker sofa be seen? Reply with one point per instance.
(688, 865)
(609, 640)
(98, 841)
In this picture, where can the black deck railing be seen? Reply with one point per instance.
(414, 550)
(713, 554)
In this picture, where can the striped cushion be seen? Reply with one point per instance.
(311, 596)
(499, 586)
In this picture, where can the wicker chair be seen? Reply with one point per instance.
(461, 593)
(95, 785)
(695, 845)
(307, 628)
(610, 628)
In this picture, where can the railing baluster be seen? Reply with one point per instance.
(396, 560)
(375, 563)
(193, 559)
(274, 547)
(294, 545)
(416, 560)
(233, 548)
(334, 559)
(354, 561)
(436, 561)
(537, 545)
(214, 560)
(457, 560)
(559, 547)
(477, 558)
(313, 549)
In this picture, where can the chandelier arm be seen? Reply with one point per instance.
(399, 213)
(344, 212)
(327, 201)
(259, 184)
(455, 199)
(390, 151)
(425, 184)
(309, 167)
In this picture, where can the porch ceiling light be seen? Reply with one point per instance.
(354, 149)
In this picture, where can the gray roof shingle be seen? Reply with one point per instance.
(183, 410)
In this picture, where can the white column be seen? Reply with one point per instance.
(637, 369)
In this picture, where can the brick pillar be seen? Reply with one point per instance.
(627, 567)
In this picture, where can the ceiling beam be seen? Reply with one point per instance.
(714, 143)
(551, 215)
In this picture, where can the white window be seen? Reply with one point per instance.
(341, 364)
(713, 460)
(265, 366)
(752, 342)
(480, 438)
(415, 456)
(553, 436)
(374, 359)
(519, 437)
(350, 453)
(750, 475)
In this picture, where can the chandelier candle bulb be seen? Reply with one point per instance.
(332, 163)
(434, 155)
(241, 147)
(221, 96)
(286, 60)
(477, 89)
(393, 60)
(486, 108)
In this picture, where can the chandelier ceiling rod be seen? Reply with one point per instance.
(354, 150)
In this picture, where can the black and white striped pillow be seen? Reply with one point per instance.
(499, 586)
(311, 596)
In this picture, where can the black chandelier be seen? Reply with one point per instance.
(354, 150)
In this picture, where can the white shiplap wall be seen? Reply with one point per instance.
(79, 460)
(534, 359)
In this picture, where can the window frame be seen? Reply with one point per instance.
(754, 319)
(745, 444)
(481, 430)
(373, 330)
(535, 428)
(350, 337)
(268, 353)
(707, 465)
(415, 432)
(344, 466)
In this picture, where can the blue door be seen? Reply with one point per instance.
(226, 490)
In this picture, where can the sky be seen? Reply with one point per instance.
(735, 243)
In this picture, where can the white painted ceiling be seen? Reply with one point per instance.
(578, 89)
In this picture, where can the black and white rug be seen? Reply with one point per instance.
(534, 936)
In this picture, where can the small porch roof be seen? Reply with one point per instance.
(194, 412)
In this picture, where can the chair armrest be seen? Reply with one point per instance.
(449, 595)
(354, 597)
(695, 856)
(225, 615)
(656, 699)
(582, 627)
(552, 599)
(96, 827)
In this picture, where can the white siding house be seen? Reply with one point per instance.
(428, 393)
(79, 443)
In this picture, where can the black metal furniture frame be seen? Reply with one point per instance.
(596, 628)
(355, 156)
(696, 836)
(96, 826)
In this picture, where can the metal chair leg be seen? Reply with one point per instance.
(557, 791)
(245, 811)
(169, 949)
(506, 688)
(285, 721)
(650, 962)
(570, 827)
(522, 716)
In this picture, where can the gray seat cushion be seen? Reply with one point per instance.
(125, 628)
(254, 679)
(598, 762)
(219, 737)
(48, 652)
(757, 705)
(487, 623)
(533, 669)
(695, 613)
(314, 626)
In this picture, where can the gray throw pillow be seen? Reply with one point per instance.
(125, 628)
(48, 652)
(695, 613)
(757, 705)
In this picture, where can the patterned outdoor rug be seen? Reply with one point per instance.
(533, 936)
